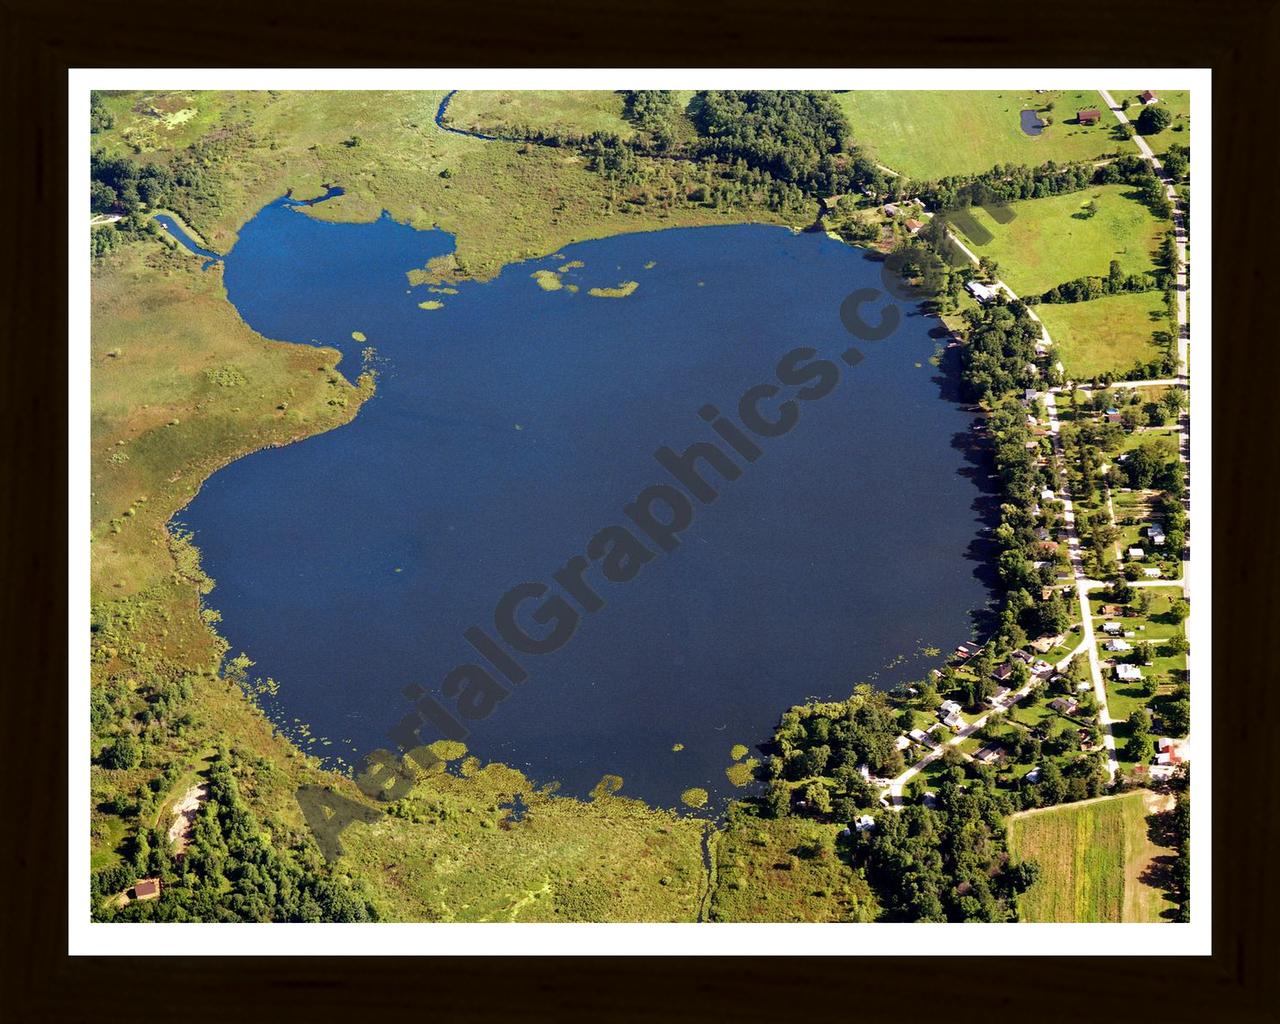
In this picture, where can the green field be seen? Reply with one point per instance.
(510, 112)
(1057, 239)
(1178, 103)
(927, 134)
(1093, 857)
(1106, 335)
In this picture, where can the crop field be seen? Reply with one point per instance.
(1097, 860)
(927, 134)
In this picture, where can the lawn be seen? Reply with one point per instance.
(932, 134)
(1106, 335)
(1178, 103)
(1093, 857)
(1077, 234)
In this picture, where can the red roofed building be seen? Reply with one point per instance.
(1088, 116)
(1148, 97)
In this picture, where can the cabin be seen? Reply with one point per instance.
(1148, 98)
(1088, 116)
(146, 889)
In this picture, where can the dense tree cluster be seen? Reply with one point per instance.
(1005, 184)
(948, 863)
(1085, 289)
(1000, 354)
(229, 871)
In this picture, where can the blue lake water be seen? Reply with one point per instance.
(1031, 123)
(513, 424)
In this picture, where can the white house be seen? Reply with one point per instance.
(1152, 573)
(1156, 534)
(1112, 627)
(865, 823)
(901, 743)
(1136, 554)
(980, 291)
(948, 707)
(1129, 673)
(1046, 494)
(1116, 645)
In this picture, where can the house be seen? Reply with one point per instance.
(1023, 657)
(1046, 494)
(1064, 705)
(1002, 673)
(865, 823)
(1034, 774)
(1170, 751)
(914, 225)
(1129, 673)
(923, 738)
(954, 722)
(1116, 645)
(1090, 116)
(948, 707)
(998, 697)
(1148, 98)
(901, 743)
(1112, 627)
(1151, 573)
(1029, 394)
(890, 209)
(1136, 554)
(1156, 534)
(1040, 667)
(1112, 415)
(1045, 644)
(146, 889)
(989, 754)
(1111, 609)
(980, 291)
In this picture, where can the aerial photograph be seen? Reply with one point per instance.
(600, 505)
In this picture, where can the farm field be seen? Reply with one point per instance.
(1106, 335)
(927, 135)
(1094, 857)
(1057, 239)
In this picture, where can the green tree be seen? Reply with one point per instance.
(124, 753)
(1153, 120)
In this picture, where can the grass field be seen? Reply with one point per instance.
(509, 112)
(1106, 335)
(1057, 239)
(1097, 862)
(786, 869)
(932, 134)
(1178, 103)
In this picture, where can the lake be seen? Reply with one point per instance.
(514, 423)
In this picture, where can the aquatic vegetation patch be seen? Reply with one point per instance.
(607, 786)
(694, 797)
(677, 747)
(548, 280)
(742, 773)
(738, 751)
(620, 292)
(431, 304)
(358, 336)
